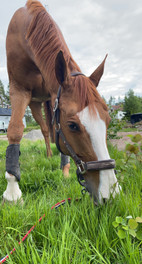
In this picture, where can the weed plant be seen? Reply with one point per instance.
(77, 233)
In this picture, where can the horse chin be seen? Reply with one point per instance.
(100, 198)
(98, 201)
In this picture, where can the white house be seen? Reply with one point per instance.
(5, 115)
(120, 115)
(118, 109)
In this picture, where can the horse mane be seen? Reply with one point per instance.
(45, 37)
(46, 40)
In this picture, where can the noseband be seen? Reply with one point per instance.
(82, 167)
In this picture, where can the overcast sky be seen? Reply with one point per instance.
(92, 29)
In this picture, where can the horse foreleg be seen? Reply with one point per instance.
(19, 102)
(37, 114)
(65, 165)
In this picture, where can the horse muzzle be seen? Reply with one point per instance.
(84, 167)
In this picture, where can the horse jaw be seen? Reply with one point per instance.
(96, 128)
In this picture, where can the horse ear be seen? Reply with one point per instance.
(60, 68)
(97, 74)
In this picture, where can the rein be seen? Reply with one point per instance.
(82, 167)
(2, 260)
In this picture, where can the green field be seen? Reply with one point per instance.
(76, 233)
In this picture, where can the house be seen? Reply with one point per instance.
(119, 111)
(120, 115)
(5, 115)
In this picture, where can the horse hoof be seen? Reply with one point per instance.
(18, 201)
(66, 169)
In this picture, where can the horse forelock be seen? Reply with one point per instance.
(87, 95)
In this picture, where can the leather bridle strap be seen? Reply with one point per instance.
(82, 167)
(100, 165)
(56, 116)
(69, 148)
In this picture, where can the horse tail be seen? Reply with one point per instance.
(48, 117)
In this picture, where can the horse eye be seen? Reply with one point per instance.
(74, 127)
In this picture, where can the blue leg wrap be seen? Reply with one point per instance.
(64, 160)
(12, 160)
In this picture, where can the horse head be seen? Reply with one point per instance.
(84, 120)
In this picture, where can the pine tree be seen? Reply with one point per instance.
(2, 94)
(132, 103)
(7, 97)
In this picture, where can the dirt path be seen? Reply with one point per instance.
(3, 137)
(32, 135)
(120, 143)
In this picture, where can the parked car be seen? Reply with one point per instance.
(136, 118)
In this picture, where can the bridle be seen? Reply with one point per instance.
(82, 167)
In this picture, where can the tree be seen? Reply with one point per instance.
(132, 103)
(7, 97)
(2, 94)
(111, 101)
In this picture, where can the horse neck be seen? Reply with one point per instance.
(46, 40)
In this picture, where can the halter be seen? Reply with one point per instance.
(82, 167)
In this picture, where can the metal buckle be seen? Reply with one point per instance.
(54, 110)
(57, 127)
(56, 105)
(81, 167)
(84, 191)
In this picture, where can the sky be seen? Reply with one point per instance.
(93, 29)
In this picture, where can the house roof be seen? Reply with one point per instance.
(5, 112)
(117, 107)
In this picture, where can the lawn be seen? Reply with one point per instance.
(77, 233)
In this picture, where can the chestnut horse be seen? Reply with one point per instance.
(38, 61)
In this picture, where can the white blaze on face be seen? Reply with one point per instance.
(96, 128)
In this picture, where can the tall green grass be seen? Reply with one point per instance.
(74, 233)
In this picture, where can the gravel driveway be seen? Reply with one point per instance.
(120, 143)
